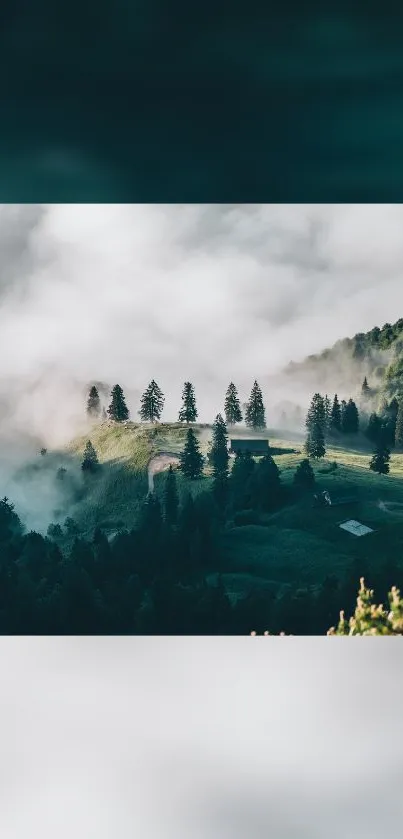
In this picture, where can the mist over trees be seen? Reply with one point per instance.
(232, 406)
(93, 404)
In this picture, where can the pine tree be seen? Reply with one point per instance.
(219, 458)
(328, 412)
(90, 459)
(265, 484)
(316, 427)
(188, 412)
(335, 416)
(315, 442)
(118, 410)
(171, 501)
(191, 459)
(365, 389)
(242, 470)
(380, 460)
(350, 419)
(399, 426)
(373, 429)
(304, 475)
(93, 404)
(232, 407)
(255, 413)
(342, 409)
(152, 403)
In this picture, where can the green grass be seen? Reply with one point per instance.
(298, 545)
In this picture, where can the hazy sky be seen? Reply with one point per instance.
(210, 293)
(170, 738)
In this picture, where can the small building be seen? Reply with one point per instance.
(356, 528)
(255, 447)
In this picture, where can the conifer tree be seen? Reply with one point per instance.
(365, 389)
(350, 419)
(255, 413)
(380, 460)
(232, 406)
(373, 429)
(219, 458)
(265, 484)
(335, 416)
(152, 403)
(188, 412)
(118, 410)
(171, 501)
(342, 409)
(316, 427)
(90, 458)
(191, 458)
(242, 470)
(93, 404)
(304, 475)
(328, 412)
(399, 426)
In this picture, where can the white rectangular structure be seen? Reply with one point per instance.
(356, 528)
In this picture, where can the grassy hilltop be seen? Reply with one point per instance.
(295, 546)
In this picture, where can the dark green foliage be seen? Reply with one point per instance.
(239, 481)
(265, 485)
(232, 406)
(191, 458)
(255, 413)
(328, 413)
(90, 458)
(365, 389)
(350, 419)
(304, 475)
(71, 526)
(220, 458)
(380, 460)
(152, 403)
(55, 531)
(399, 426)
(118, 410)
(171, 500)
(335, 416)
(93, 404)
(316, 428)
(188, 412)
(373, 429)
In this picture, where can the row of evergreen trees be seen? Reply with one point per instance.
(152, 403)
(325, 418)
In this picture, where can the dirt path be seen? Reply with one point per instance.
(159, 463)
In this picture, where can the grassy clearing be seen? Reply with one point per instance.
(300, 544)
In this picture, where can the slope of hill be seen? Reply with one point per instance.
(114, 496)
(377, 354)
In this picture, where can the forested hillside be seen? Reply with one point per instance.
(377, 354)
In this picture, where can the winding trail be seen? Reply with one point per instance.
(159, 463)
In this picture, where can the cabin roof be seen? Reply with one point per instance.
(250, 444)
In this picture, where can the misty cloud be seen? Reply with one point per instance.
(126, 293)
